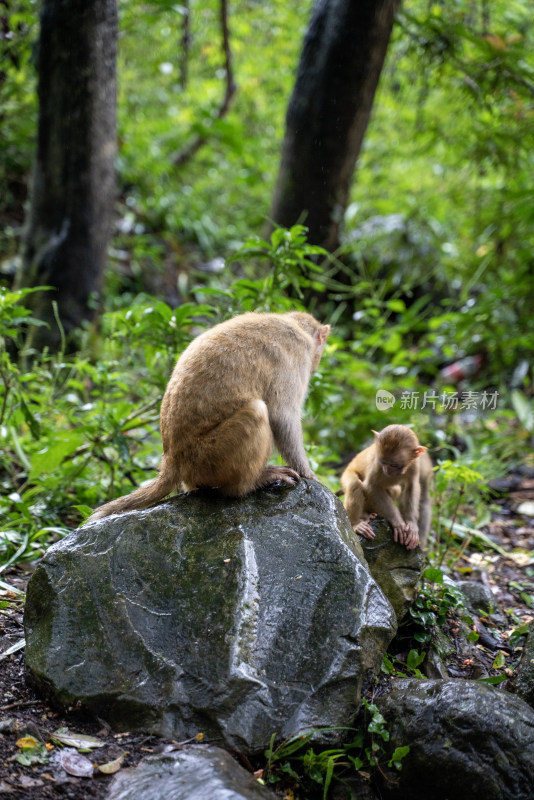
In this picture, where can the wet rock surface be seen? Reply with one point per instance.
(394, 568)
(466, 739)
(237, 619)
(197, 773)
(524, 685)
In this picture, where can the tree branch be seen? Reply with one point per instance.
(190, 149)
(186, 42)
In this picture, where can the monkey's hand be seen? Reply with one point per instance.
(364, 529)
(399, 532)
(411, 535)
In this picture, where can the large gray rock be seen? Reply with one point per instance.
(197, 773)
(466, 739)
(237, 619)
(395, 569)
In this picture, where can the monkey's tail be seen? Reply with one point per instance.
(156, 490)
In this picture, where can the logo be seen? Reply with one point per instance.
(384, 400)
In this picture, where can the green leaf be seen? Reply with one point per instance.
(422, 636)
(463, 531)
(523, 409)
(328, 775)
(398, 754)
(414, 659)
(499, 660)
(356, 762)
(433, 574)
(494, 679)
(48, 459)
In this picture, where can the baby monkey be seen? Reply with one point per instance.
(236, 391)
(396, 466)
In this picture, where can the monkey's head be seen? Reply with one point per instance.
(396, 449)
(318, 332)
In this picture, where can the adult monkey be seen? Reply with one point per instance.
(236, 391)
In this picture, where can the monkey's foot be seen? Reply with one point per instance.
(273, 474)
(364, 529)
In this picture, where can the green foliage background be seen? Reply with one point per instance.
(436, 260)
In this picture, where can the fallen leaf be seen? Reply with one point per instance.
(75, 764)
(27, 743)
(13, 649)
(522, 557)
(32, 755)
(6, 788)
(526, 508)
(112, 766)
(77, 740)
(482, 560)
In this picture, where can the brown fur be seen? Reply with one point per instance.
(395, 467)
(236, 391)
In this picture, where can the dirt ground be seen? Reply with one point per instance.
(62, 771)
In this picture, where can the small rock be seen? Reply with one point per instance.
(196, 773)
(526, 508)
(480, 598)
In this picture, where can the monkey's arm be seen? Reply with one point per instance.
(380, 501)
(425, 503)
(355, 502)
(409, 506)
(287, 434)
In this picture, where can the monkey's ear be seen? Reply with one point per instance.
(376, 433)
(418, 451)
(322, 334)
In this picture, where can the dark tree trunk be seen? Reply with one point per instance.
(343, 54)
(74, 178)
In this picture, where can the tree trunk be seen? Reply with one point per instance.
(74, 176)
(343, 54)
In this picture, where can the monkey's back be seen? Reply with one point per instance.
(360, 464)
(244, 358)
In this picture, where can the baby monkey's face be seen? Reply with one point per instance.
(395, 462)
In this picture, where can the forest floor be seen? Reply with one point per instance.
(56, 772)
